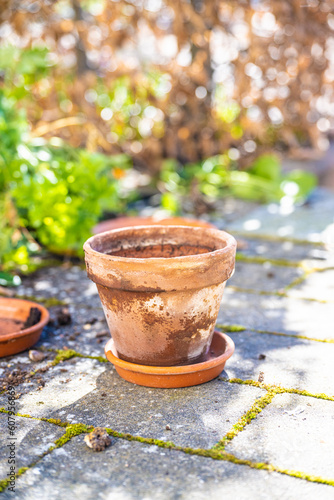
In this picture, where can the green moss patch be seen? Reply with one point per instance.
(231, 328)
(72, 430)
(65, 354)
(257, 259)
(246, 419)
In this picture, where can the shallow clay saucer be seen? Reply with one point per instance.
(13, 314)
(221, 349)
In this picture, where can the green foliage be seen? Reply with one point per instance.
(50, 193)
(217, 177)
(62, 192)
(129, 104)
(267, 166)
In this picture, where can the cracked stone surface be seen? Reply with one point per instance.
(121, 473)
(293, 432)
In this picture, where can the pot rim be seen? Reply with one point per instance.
(27, 331)
(229, 240)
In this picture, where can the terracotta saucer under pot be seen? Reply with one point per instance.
(220, 350)
(13, 314)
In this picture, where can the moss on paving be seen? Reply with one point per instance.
(216, 453)
(246, 419)
(242, 328)
(259, 259)
(231, 328)
(5, 482)
(279, 239)
(278, 293)
(72, 430)
(65, 354)
(277, 388)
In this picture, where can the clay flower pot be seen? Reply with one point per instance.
(161, 288)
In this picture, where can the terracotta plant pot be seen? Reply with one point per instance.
(161, 288)
(13, 314)
(118, 222)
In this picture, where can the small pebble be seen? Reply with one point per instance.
(168, 428)
(262, 356)
(98, 440)
(261, 377)
(102, 334)
(36, 356)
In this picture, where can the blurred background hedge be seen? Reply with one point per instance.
(104, 102)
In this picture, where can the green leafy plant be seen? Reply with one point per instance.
(217, 177)
(51, 194)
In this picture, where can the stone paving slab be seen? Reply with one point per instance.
(277, 314)
(65, 384)
(289, 362)
(264, 277)
(87, 333)
(64, 283)
(32, 439)
(288, 252)
(131, 471)
(295, 432)
(313, 222)
(198, 416)
(81, 390)
(318, 285)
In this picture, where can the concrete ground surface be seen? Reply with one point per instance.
(264, 429)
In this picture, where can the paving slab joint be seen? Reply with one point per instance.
(73, 430)
(247, 418)
(242, 328)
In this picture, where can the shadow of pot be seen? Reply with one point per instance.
(161, 289)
